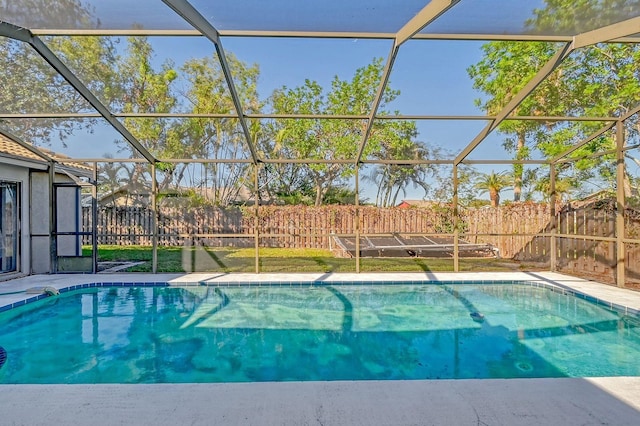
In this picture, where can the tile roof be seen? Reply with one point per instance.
(14, 149)
(11, 148)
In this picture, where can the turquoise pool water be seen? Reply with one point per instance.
(337, 332)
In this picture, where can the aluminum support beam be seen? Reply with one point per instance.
(357, 224)
(189, 13)
(200, 23)
(112, 32)
(261, 116)
(600, 35)
(427, 15)
(256, 207)
(608, 33)
(517, 100)
(94, 220)
(456, 221)
(579, 145)
(598, 133)
(553, 252)
(281, 160)
(53, 220)
(620, 205)
(154, 219)
(587, 157)
(14, 32)
(386, 72)
(504, 161)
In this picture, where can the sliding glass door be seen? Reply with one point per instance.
(9, 226)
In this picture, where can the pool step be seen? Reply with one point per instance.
(48, 290)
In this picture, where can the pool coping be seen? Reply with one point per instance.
(624, 301)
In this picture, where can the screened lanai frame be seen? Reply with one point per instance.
(199, 19)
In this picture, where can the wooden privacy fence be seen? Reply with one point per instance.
(510, 229)
(134, 225)
(582, 245)
(278, 226)
(312, 227)
(585, 236)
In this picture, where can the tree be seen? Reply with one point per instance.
(600, 80)
(504, 70)
(201, 84)
(333, 139)
(110, 177)
(442, 188)
(31, 85)
(605, 77)
(493, 183)
(393, 179)
(219, 139)
(50, 14)
(146, 90)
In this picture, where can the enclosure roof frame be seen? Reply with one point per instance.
(624, 31)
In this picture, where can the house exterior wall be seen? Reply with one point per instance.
(35, 204)
(12, 173)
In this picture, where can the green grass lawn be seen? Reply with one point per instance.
(229, 259)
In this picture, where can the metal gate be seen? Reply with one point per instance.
(71, 256)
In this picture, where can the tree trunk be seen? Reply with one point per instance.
(495, 198)
(319, 194)
(518, 169)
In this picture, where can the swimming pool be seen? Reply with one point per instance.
(162, 334)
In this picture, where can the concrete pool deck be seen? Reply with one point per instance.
(564, 401)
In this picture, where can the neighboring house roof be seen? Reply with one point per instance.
(244, 195)
(12, 149)
(416, 203)
(598, 195)
(127, 190)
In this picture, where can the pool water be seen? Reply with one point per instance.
(333, 332)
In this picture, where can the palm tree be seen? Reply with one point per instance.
(493, 183)
(393, 179)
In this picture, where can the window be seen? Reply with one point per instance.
(9, 226)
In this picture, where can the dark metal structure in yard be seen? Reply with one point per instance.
(394, 24)
(411, 246)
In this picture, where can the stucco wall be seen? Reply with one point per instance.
(34, 216)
